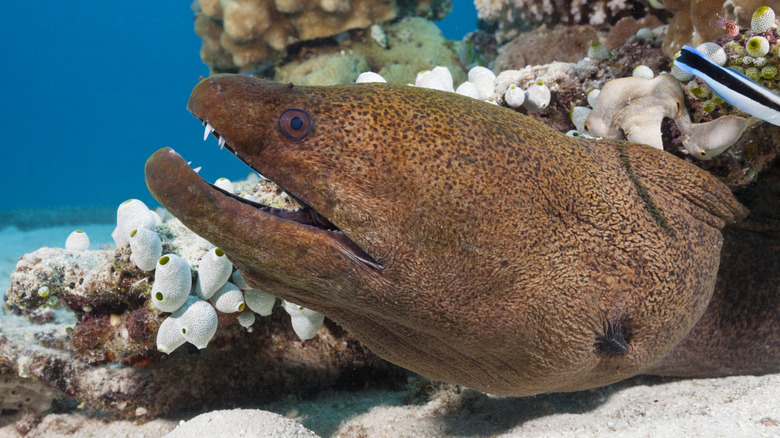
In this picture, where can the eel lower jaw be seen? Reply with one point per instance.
(306, 215)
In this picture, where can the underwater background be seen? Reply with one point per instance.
(90, 90)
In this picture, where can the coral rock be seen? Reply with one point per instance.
(255, 31)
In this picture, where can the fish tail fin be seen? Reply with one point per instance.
(689, 58)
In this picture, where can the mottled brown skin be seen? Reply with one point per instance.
(501, 252)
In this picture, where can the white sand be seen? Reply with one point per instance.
(745, 406)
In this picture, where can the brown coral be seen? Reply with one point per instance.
(244, 33)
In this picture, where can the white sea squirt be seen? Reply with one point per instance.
(305, 322)
(146, 248)
(77, 241)
(246, 318)
(172, 284)
(537, 97)
(468, 89)
(213, 271)
(198, 323)
(130, 215)
(514, 96)
(169, 336)
(485, 81)
(439, 78)
(368, 77)
(228, 299)
(224, 184)
(260, 302)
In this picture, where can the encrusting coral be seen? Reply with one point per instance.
(634, 108)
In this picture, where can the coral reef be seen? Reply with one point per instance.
(247, 33)
(512, 17)
(634, 108)
(100, 347)
(697, 21)
(413, 45)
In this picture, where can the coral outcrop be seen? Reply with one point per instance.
(246, 33)
(514, 16)
(99, 347)
(697, 21)
(413, 45)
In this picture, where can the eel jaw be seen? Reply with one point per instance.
(239, 226)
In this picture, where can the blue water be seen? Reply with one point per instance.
(90, 89)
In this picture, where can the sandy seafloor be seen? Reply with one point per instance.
(740, 406)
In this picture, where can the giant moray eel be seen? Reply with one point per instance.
(459, 239)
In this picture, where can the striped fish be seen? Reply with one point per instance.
(732, 86)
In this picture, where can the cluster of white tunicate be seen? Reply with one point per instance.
(77, 241)
(193, 309)
(133, 214)
(481, 85)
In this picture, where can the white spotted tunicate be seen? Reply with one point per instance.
(305, 322)
(439, 78)
(763, 19)
(643, 71)
(146, 248)
(714, 52)
(593, 95)
(250, 197)
(645, 33)
(485, 81)
(598, 51)
(224, 184)
(514, 96)
(757, 46)
(213, 271)
(468, 89)
(678, 73)
(368, 77)
(130, 215)
(246, 319)
(172, 283)
(77, 241)
(259, 301)
(537, 97)
(198, 323)
(239, 281)
(169, 336)
(579, 114)
(228, 299)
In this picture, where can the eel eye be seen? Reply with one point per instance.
(295, 124)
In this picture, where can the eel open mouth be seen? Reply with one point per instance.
(305, 215)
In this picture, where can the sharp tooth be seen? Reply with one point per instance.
(197, 169)
(221, 143)
(209, 128)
